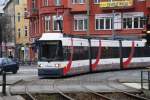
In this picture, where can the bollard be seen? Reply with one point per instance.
(142, 80)
(149, 80)
(4, 83)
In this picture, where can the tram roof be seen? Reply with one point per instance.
(51, 36)
(59, 36)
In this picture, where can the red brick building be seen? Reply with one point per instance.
(128, 17)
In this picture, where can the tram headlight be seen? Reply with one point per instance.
(57, 65)
(40, 65)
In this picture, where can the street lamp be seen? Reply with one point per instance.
(113, 27)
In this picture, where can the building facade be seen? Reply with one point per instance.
(103, 18)
(8, 27)
(1, 39)
(22, 31)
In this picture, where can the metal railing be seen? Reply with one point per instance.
(145, 79)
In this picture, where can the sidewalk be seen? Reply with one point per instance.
(26, 65)
(17, 97)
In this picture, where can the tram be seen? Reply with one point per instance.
(61, 55)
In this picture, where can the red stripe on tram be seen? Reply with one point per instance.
(94, 65)
(68, 67)
(128, 61)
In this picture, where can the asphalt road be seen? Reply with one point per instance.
(25, 72)
(101, 80)
(29, 73)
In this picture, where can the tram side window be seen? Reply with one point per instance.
(105, 52)
(84, 53)
(138, 52)
(126, 52)
(146, 51)
(67, 52)
(59, 52)
(76, 54)
(142, 52)
(110, 52)
(94, 52)
(80, 53)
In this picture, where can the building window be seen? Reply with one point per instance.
(19, 32)
(80, 23)
(19, 17)
(78, 1)
(33, 3)
(142, 22)
(25, 11)
(96, 1)
(26, 30)
(103, 23)
(47, 23)
(57, 2)
(45, 2)
(17, 2)
(133, 22)
(111, 0)
(56, 26)
(74, 1)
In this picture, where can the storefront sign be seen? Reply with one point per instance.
(125, 3)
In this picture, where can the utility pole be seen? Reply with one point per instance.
(88, 17)
(113, 27)
(15, 53)
(1, 41)
(88, 34)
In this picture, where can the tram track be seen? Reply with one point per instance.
(10, 85)
(61, 92)
(137, 97)
(98, 94)
(131, 96)
(85, 86)
(108, 83)
(92, 94)
(9, 93)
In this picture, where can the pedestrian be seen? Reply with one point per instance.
(10, 55)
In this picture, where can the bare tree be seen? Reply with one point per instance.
(4, 31)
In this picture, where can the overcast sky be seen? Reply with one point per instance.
(2, 1)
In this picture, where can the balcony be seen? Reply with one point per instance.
(118, 4)
(148, 3)
(26, 15)
(33, 12)
(77, 7)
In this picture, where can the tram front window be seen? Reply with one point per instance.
(51, 50)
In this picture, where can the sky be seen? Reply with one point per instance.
(2, 1)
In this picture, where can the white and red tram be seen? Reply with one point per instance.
(60, 55)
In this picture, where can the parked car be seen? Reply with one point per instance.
(8, 65)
